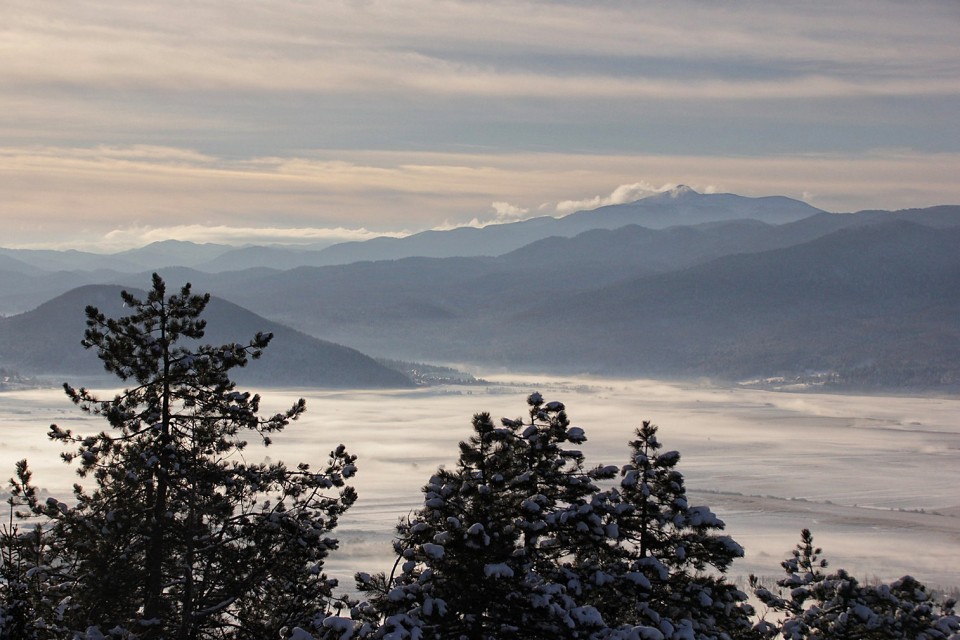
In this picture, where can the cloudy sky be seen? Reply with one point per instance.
(293, 120)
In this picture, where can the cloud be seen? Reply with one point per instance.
(128, 237)
(79, 195)
(503, 213)
(506, 212)
(467, 49)
(621, 195)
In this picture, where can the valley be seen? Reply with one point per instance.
(870, 475)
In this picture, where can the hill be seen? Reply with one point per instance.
(47, 340)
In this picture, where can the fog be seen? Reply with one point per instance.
(874, 477)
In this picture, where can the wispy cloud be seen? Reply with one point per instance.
(466, 48)
(410, 114)
(622, 194)
(127, 237)
(140, 194)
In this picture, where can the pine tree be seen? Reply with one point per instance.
(181, 537)
(522, 541)
(835, 605)
(30, 585)
(669, 557)
(487, 556)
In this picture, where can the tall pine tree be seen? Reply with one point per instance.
(180, 537)
(665, 569)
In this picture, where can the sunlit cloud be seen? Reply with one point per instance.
(57, 195)
(502, 213)
(509, 212)
(621, 195)
(128, 237)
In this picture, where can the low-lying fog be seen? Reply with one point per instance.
(874, 477)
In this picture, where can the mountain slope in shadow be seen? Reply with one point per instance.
(46, 341)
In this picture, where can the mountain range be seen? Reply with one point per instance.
(675, 285)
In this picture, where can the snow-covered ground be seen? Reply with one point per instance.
(876, 478)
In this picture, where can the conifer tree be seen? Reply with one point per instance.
(665, 568)
(180, 537)
(488, 554)
(812, 604)
(522, 541)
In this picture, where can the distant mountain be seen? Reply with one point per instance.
(677, 207)
(47, 341)
(491, 240)
(251, 257)
(12, 265)
(680, 206)
(871, 294)
(153, 256)
(48, 260)
(173, 253)
(683, 206)
(389, 307)
(21, 291)
(879, 302)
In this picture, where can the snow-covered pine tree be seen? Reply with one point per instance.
(812, 604)
(663, 571)
(489, 553)
(181, 538)
(30, 587)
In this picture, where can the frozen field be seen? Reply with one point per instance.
(876, 478)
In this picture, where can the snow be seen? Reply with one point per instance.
(433, 551)
(648, 633)
(587, 616)
(344, 626)
(529, 505)
(638, 579)
(703, 517)
(498, 570)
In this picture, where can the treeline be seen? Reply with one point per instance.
(181, 538)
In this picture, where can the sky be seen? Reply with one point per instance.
(296, 121)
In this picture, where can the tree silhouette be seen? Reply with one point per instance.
(181, 537)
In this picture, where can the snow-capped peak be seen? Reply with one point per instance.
(680, 191)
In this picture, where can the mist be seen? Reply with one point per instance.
(874, 477)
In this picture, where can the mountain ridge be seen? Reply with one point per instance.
(871, 296)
